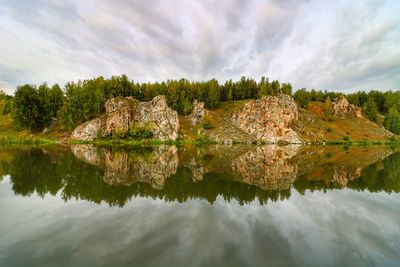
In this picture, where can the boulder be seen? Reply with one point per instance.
(198, 112)
(342, 107)
(269, 119)
(121, 112)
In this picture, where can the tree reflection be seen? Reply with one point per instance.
(241, 173)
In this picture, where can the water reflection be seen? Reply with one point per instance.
(244, 173)
(121, 167)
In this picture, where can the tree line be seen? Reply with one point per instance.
(35, 106)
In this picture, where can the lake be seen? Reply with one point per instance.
(237, 205)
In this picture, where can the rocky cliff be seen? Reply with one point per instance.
(269, 119)
(121, 112)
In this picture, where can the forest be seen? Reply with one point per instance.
(34, 107)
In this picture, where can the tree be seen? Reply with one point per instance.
(264, 87)
(56, 99)
(302, 97)
(392, 121)
(286, 88)
(371, 110)
(213, 94)
(275, 86)
(26, 107)
(45, 113)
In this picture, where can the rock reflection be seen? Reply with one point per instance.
(267, 167)
(129, 167)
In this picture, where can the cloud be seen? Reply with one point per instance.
(310, 43)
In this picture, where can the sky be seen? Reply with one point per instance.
(340, 45)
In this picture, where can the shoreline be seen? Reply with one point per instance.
(10, 140)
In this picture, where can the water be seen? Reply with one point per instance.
(209, 206)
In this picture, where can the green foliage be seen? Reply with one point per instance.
(100, 134)
(371, 110)
(33, 108)
(7, 107)
(346, 138)
(141, 131)
(302, 97)
(84, 101)
(200, 138)
(392, 120)
(26, 107)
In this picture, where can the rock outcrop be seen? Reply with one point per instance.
(163, 119)
(342, 107)
(269, 119)
(198, 112)
(121, 112)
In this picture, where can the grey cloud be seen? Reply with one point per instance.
(359, 55)
(14, 76)
(154, 40)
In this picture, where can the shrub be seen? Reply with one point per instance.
(100, 133)
(207, 123)
(346, 138)
(138, 131)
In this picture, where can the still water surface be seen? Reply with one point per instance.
(191, 206)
